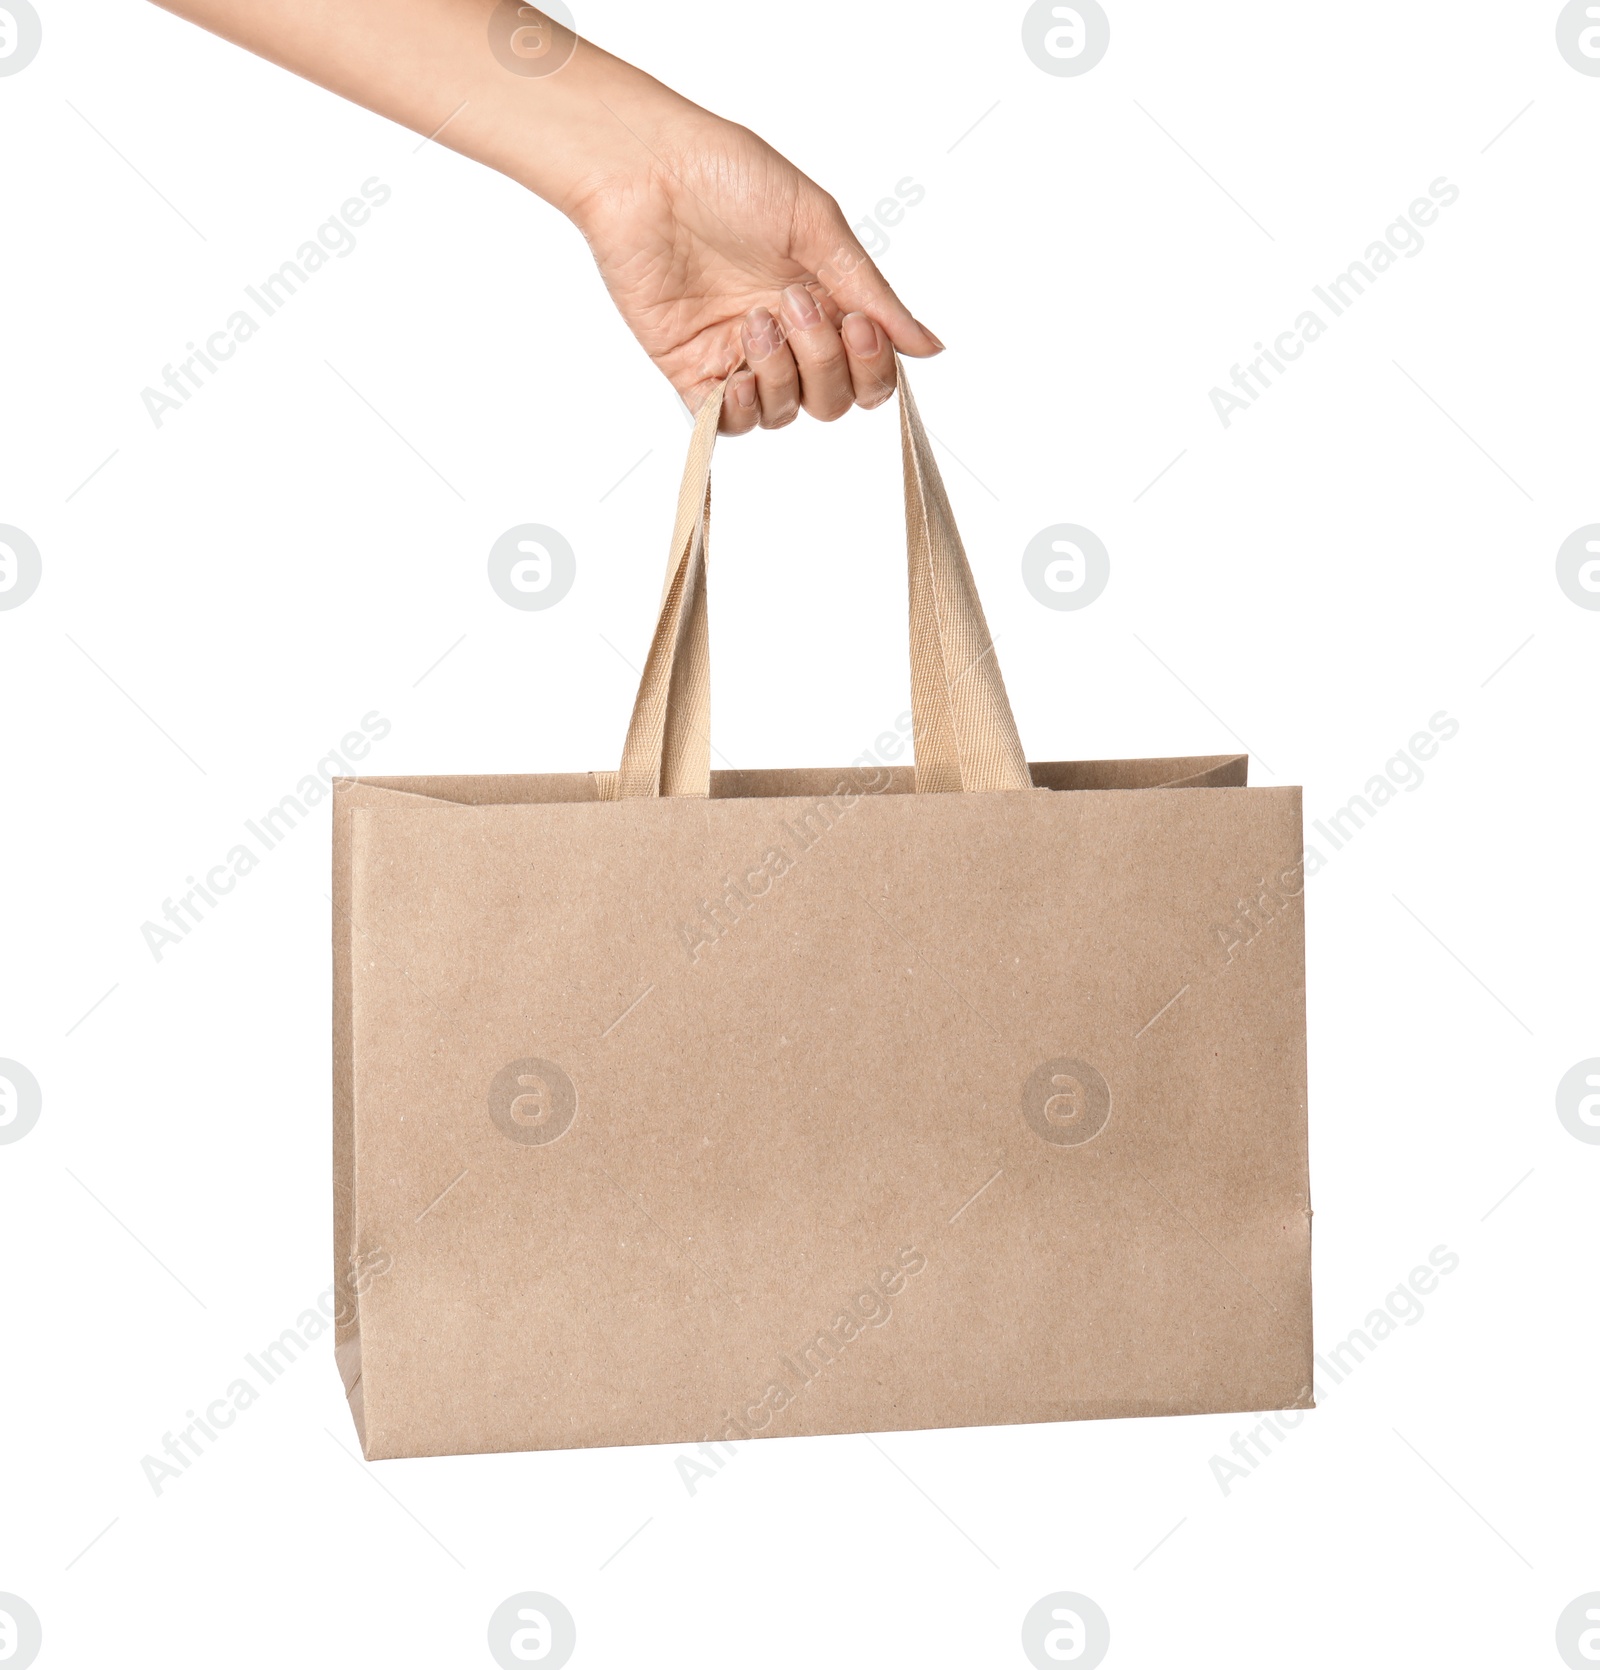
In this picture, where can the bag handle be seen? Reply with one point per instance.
(965, 736)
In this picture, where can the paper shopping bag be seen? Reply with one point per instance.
(675, 1105)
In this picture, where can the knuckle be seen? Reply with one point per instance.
(777, 373)
(828, 355)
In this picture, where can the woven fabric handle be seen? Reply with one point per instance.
(964, 734)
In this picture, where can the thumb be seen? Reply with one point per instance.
(853, 281)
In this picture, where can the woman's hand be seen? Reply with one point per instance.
(716, 249)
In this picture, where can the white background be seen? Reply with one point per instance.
(1348, 558)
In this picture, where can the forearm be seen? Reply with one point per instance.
(424, 63)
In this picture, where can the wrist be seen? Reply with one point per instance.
(597, 128)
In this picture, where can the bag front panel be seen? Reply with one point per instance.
(741, 1117)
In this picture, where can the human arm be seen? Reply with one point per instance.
(714, 248)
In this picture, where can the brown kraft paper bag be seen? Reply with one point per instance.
(674, 1105)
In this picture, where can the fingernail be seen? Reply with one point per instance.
(860, 335)
(760, 333)
(744, 390)
(931, 337)
(803, 312)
